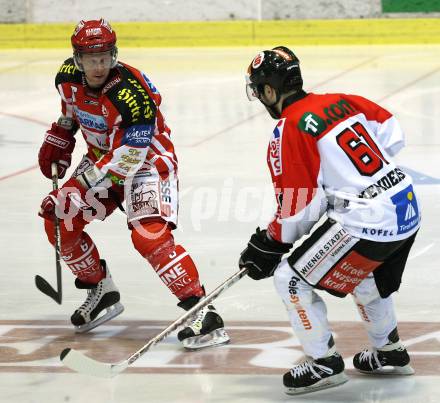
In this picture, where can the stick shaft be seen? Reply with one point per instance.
(54, 168)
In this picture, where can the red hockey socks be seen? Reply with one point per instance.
(79, 252)
(172, 263)
(83, 259)
(179, 273)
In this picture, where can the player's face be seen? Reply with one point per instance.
(96, 67)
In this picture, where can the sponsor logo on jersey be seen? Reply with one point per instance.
(130, 99)
(302, 314)
(91, 102)
(174, 274)
(407, 210)
(68, 68)
(363, 312)
(130, 160)
(146, 101)
(165, 197)
(90, 121)
(349, 272)
(137, 100)
(138, 135)
(111, 84)
(84, 267)
(311, 123)
(150, 84)
(387, 181)
(333, 247)
(144, 198)
(293, 285)
(377, 232)
(315, 124)
(275, 149)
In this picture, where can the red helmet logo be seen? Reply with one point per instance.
(258, 60)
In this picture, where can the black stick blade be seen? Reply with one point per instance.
(47, 289)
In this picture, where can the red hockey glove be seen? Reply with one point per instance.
(62, 198)
(57, 147)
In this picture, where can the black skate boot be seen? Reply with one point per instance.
(392, 359)
(313, 375)
(205, 329)
(100, 297)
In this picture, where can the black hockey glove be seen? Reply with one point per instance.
(262, 255)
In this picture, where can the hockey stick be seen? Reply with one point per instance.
(81, 363)
(40, 282)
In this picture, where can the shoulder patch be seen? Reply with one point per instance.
(312, 124)
(68, 73)
(132, 100)
(152, 87)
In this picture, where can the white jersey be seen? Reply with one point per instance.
(332, 153)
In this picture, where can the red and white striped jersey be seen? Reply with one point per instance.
(122, 124)
(332, 153)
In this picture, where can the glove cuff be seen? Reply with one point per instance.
(269, 245)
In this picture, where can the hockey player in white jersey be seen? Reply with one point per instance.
(330, 158)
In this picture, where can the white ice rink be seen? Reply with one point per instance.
(221, 141)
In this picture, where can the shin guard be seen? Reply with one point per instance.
(171, 262)
(179, 273)
(82, 257)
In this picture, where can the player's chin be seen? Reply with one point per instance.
(97, 81)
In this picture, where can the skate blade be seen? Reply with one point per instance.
(111, 312)
(217, 337)
(326, 383)
(389, 370)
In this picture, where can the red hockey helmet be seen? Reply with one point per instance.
(93, 36)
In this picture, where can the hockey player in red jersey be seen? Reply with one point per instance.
(330, 158)
(130, 156)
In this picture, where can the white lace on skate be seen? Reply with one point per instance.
(215, 338)
(93, 297)
(371, 357)
(196, 323)
(86, 308)
(308, 368)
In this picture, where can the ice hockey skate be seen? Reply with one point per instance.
(313, 375)
(392, 359)
(103, 296)
(205, 329)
